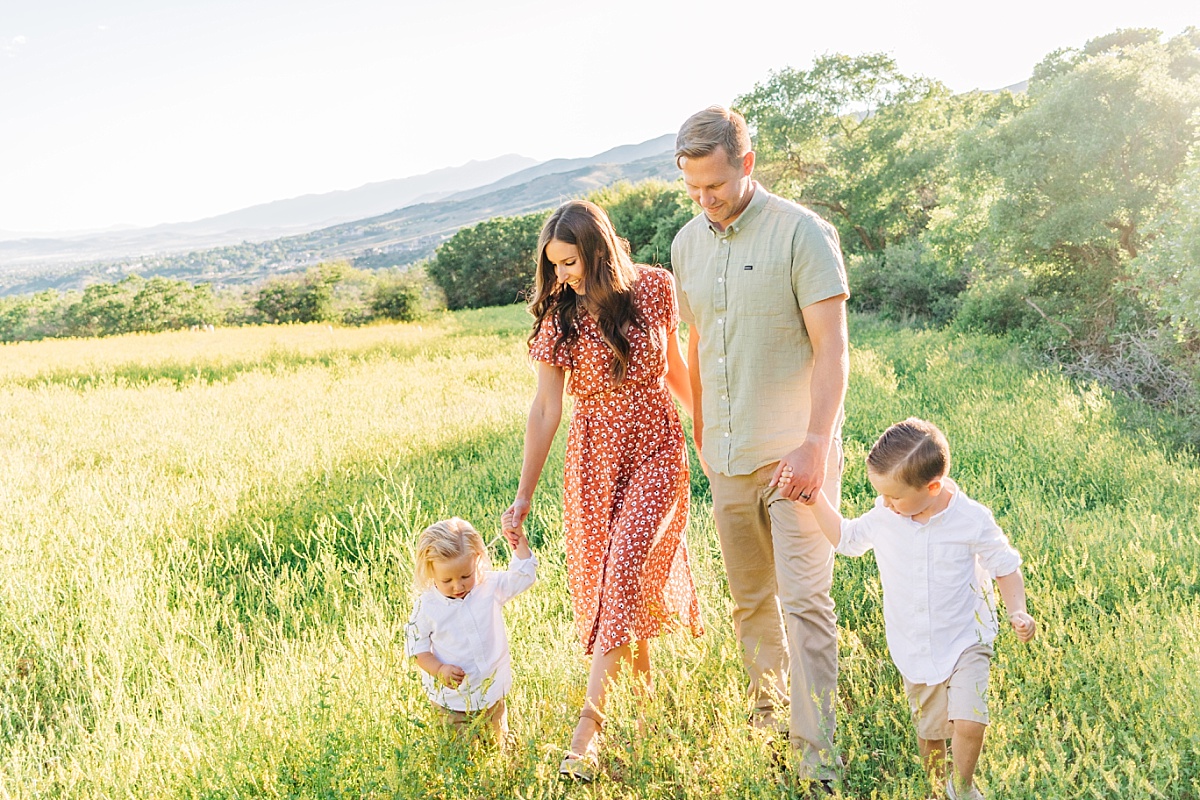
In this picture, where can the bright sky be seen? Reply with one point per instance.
(147, 111)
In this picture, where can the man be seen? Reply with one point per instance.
(762, 284)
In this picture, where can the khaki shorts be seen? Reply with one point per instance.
(961, 696)
(492, 721)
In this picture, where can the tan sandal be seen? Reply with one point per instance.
(583, 767)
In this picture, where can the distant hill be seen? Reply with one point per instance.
(264, 221)
(397, 238)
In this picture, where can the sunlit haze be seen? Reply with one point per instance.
(130, 112)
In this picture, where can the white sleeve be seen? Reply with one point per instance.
(521, 574)
(418, 632)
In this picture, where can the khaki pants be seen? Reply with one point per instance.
(780, 570)
(492, 721)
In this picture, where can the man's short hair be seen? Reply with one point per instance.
(714, 127)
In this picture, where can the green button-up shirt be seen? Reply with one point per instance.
(743, 290)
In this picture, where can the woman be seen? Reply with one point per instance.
(612, 325)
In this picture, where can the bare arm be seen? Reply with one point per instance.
(826, 324)
(693, 371)
(679, 380)
(544, 417)
(828, 517)
(446, 673)
(1012, 592)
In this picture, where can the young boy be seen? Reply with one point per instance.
(937, 551)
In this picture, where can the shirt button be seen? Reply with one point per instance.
(724, 397)
(720, 280)
(726, 434)
(720, 361)
(720, 321)
(724, 241)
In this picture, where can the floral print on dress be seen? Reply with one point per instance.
(626, 483)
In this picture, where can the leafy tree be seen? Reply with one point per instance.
(1169, 266)
(488, 264)
(865, 145)
(306, 298)
(1084, 168)
(648, 214)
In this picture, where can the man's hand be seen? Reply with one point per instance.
(801, 473)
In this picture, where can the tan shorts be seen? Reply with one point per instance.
(492, 721)
(961, 696)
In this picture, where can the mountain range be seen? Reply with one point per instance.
(389, 223)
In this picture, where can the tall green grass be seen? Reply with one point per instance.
(205, 570)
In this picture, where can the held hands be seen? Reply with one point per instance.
(511, 522)
(512, 519)
(451, 675)
(801, 473)
(1024, 625)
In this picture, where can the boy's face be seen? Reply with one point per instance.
(455, 577)
(900, 497)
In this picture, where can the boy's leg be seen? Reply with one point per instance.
(933, 759)
(928, 704)
(968, 713)
(967, 744)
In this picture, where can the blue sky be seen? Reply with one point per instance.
(139, 112)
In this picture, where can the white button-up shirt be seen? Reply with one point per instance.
(469, 633)
(937, 580)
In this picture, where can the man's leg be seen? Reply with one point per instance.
(747, 550)
(804, 574)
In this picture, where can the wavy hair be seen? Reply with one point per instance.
(446, 540)
(608, 276)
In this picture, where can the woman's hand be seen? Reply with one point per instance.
(512, 519)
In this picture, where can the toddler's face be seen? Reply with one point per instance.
(455, 577)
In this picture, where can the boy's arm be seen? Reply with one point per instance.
(828, 518)
(1012, 591)
(446, 673)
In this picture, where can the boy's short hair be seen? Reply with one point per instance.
(446, 540)
(914, 452)
(703, 132)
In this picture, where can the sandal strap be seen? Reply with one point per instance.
(591, 713)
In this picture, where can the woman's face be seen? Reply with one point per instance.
(568, 267)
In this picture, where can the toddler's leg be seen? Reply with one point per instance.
(497, 722)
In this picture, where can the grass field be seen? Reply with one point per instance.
(205, 571)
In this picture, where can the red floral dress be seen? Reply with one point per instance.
(625, 492)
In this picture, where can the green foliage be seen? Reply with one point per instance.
(1169, 266)
(488, 264)
(867, 146)
(905, 282)
(1084, 167)
(198, 602)
(648, 214)
(398, 296)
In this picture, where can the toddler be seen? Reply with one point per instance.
(456, 632)
(937, 552)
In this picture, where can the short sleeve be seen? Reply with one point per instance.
(818, 272)
(658, 298)
(417, 633)
(542, 349)
(684, 309)
(670, 302)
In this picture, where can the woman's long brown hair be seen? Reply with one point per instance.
(608, 276)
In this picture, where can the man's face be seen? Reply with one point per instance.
(720, 188)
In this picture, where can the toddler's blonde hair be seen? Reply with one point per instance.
(445, 540)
